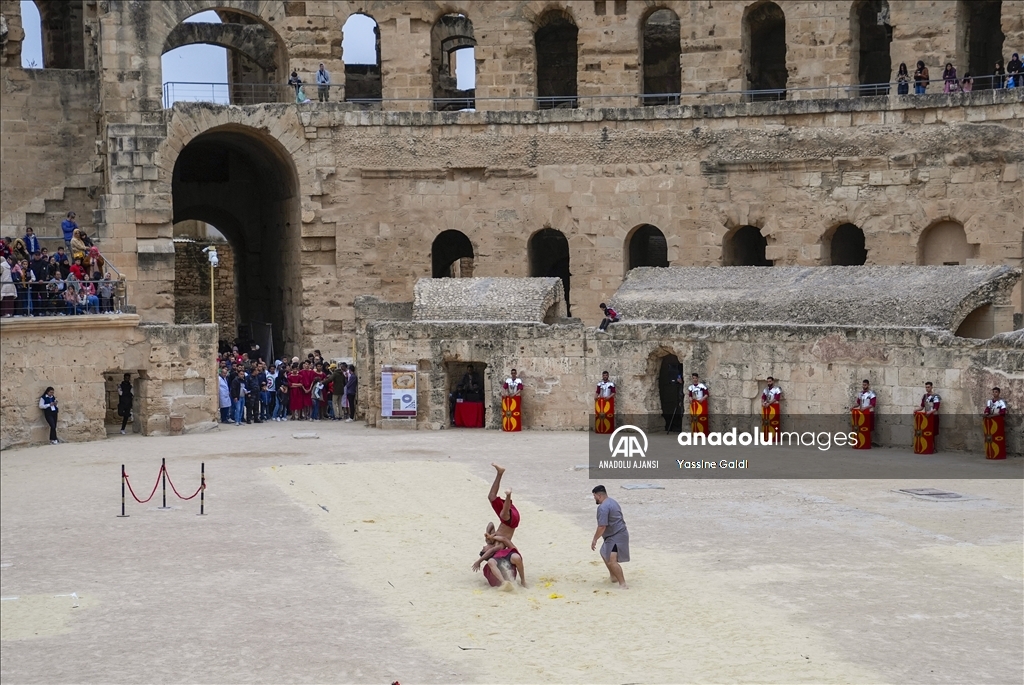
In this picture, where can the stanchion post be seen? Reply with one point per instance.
(122, 514)
(163, 477)
(202, 487)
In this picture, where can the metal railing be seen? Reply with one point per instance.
(258, 93)
(52, 298)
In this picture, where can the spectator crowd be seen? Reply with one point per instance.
(70, 281)
(1010, 76)
(252, 390)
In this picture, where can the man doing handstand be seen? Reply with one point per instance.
(507, 513)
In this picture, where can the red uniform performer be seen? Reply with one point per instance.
(771, 411)
(604, 406)
(699, 394)
(512, 404)
(926, 422)
(993, 423)
(862, 415)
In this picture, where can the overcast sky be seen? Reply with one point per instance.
(207, 64)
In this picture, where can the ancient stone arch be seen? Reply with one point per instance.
(979, 39)
(944, 242)
(845, 245)
(745, 246)
(548, 254)
(870, 38)
(660, 52)
(363, 82)
(256, 41)
(243, 182)
(450, 34)
(765, 50)
(557, 53)
(63, 33)
(451, 255)
(645, 245)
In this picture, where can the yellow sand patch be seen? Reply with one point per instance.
(39, 615)
(676, 623)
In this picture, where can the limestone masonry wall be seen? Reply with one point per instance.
(76, 354)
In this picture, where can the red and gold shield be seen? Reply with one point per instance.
(862, 424)
(604, 410)
(924, 433)
(994, 429)
(770, 422)
(511, 414)
(699, 416)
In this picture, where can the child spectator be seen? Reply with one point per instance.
(31, 241)
(610, 317)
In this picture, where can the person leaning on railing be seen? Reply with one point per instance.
(920, 78)
(902, 80)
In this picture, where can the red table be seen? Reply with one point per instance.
(469, 414)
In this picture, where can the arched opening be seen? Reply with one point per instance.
(981, 323)
(451, 255)
(54, 34)
(671, 393)
(253, 55)
(982, 39)
(945, 243)
(646, 246)
(452, 63)
(557, 57)
(548, 251)
(745, 246)
(871, 37)
(661, 50)
(243, 183)
(846, 246)
(764, 32)
(360, 50)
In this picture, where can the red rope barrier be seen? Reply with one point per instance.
(201, 486)
(155, 486)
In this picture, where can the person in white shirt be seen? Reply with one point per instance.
(513, 386)
(865, 402)
(995, 406)
(698, 394)
(605, 388)
(323, 84)
(771, 398)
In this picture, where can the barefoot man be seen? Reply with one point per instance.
(502, 558)
(612, 527)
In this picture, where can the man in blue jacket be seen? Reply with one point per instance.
(31, 241)
(68, 226)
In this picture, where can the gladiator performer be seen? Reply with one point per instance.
(926, 421)
(512, 404)
(501, 560)
(604, 405)
(993, 423)
(862, 414)
(698, 393)
(771, 408)
(508, 515)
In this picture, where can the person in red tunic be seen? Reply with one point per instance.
(295, 391)
(307, 378)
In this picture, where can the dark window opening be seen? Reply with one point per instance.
(620, 7)
(671, 393)
(363, 82)
(555, 43)
(746, 247)
(451, 255)
(62, 29)
(600, 8)
(662, 79)
(984, 40)
(765, 27)
(452, 44)
(847, 247)
(648, 247)
(548, 252)
(872, 38)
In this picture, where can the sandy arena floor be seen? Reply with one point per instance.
(347, 559)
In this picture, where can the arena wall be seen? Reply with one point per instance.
(172, 366)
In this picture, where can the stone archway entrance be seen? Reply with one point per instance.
(245, 184)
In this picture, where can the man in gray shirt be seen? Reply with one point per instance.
(612, 527)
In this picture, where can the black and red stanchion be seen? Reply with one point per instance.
(164, 478)
(123, 479)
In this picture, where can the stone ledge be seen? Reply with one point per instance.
(49, 324)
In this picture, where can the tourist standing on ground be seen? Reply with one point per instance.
(1014, 71)
(48, 403)
(950, 82)
(902, 80)
(223, 394)
(125, 400)
(351, 389)
(323, 84)
(610, 316)
(920, 78)
(612, 527)
(8, 293)
(68, 227)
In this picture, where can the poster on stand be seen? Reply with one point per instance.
(398, 391)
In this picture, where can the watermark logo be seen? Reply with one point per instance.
(628, 444)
